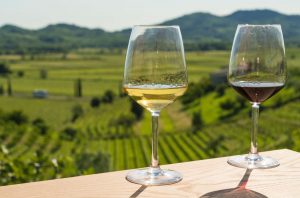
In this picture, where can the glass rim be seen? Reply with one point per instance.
(156, 26)
(259, 25)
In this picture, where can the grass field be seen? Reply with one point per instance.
(223, 133)
(98, 74)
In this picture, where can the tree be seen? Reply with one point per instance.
(126, 121)
(197, 122)
(108, 97)
(78, 88)
(17, 117)
(9, 87)
(227, 104)
(241, 101)
(77, 111)
(293, 56)
(95, 102)
(40, 124)
(1, 90)
(220, 89)
(43, 74)
(136, 109)
(191, 94)
(20, 73)
(69, 133)
(4, 69)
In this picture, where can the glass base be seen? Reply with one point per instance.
(253, 161)
(153, 176)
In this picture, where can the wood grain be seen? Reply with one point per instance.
(202, 179)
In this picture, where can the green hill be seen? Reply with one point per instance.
(204, 27)
(200, 31)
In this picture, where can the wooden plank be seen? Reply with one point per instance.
(203, 178)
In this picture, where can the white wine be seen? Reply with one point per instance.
(155, 75)
(155, 97)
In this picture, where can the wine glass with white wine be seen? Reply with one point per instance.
(155, 75)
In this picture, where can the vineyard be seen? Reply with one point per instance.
(43, 141)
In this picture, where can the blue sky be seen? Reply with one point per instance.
(118, 14)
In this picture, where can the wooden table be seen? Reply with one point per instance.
(203, 178)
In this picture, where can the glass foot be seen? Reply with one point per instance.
(253, 161)
(153, 176)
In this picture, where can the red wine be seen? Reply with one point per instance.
(257, 91)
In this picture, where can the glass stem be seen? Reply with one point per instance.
(254, 129)
(154, 161)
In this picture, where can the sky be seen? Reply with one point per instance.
(112, 15)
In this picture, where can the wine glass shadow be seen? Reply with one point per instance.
(237, 192)
(138, 192)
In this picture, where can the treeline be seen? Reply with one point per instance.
(206, 46)
(59, 38)
(34, 51)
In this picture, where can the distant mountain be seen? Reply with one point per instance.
(206, 27)
(59, 37)
(199, 30)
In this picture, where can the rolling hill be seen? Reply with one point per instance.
(200, 31)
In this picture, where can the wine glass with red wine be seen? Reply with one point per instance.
(257, 71)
